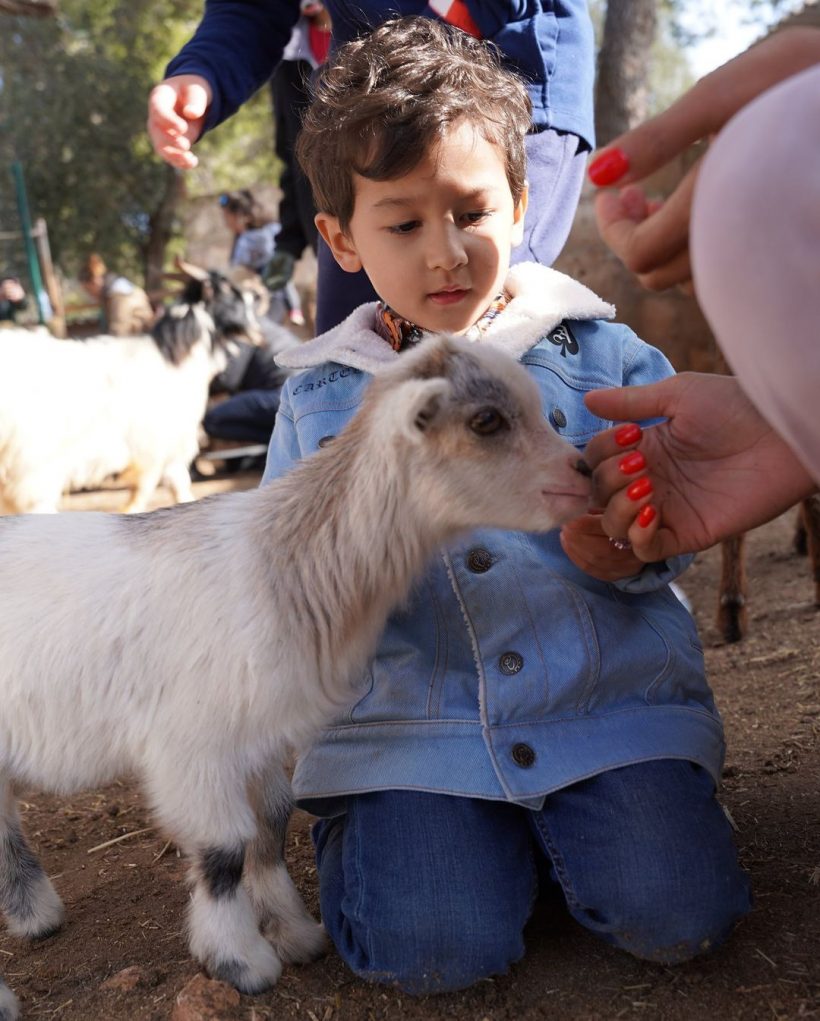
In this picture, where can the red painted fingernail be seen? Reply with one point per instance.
(646, 515)
(627, 435)
(632, 463)
(609, 167)
(639, 489)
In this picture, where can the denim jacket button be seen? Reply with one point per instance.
(323, 442)
(479, 561)
(511, 663)
(558, 418)
(523, 755)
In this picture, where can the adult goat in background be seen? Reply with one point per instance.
(73, 413)
(197, 645)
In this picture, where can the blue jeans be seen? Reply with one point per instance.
(555, 172)
(431, 892)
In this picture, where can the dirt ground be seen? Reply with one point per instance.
(125, 901)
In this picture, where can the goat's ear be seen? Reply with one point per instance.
(190, 270)
(416, 404)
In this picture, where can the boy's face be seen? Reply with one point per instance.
(435, 243)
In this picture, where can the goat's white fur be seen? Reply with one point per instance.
(73, 413)
(197, 646)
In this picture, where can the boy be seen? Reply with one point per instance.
(520, 716)
(238, 45)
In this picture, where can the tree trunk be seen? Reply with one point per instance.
(161, 227)
(29, 8)
(623, 67)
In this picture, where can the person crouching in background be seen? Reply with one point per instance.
(125, 307)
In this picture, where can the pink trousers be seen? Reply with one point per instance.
(755, 247)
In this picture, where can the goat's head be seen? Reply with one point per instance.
(466, 423)
(211, 306)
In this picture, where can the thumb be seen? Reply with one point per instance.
(194, 101)
(634, 403)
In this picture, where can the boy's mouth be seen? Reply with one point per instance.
(447, 295)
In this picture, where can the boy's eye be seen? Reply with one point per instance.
(476, 216)
(404, 228)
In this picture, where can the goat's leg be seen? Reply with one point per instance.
(732, 616)
(282, 914)
(9, 1007)
(204, 806)
(224, 933)
(810, 513)
(179, 479)
(142, 482)
(27, 899)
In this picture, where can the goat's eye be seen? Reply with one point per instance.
(488, 421)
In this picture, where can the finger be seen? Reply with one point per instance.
(644, 534)
(162, 110)
(633, 403)
(676, 272)
(644, 235)
(623, 507)
(194, 101)
(617, 473)
(611, 442)
(180, 158)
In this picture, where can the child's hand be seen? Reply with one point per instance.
(176, 112)
(589, 547)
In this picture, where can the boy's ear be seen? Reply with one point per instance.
(344, 251)
(518, 217)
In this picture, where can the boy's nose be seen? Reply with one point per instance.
(446, 249)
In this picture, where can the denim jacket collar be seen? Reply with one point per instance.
(541, 299)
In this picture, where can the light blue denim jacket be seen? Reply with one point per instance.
(509, 673)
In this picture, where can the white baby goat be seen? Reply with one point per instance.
(197, 645)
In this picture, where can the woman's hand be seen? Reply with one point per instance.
(652, 238)
(713, 469)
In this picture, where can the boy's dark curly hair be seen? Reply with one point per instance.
(382, 102)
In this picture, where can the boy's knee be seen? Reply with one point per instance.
(429, 960)
(675, 924)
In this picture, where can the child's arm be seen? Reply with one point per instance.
(233, 53)
(283, 451)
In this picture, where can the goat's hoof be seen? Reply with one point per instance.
(250, 977)
(44, 916)
(300, 942)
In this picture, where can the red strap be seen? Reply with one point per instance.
(455, 12)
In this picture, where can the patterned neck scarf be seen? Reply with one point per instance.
(400, 333)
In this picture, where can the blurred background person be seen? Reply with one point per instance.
(290, 92)
(255, 232)
(125, 309)
(12, 299)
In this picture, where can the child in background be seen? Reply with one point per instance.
(125, 308)
(254, 241)
(12, 299)
(522, 722)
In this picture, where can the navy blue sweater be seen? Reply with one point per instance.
(548, 42)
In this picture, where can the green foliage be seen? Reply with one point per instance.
(73, 94)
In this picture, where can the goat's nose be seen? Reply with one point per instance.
(582, 467)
